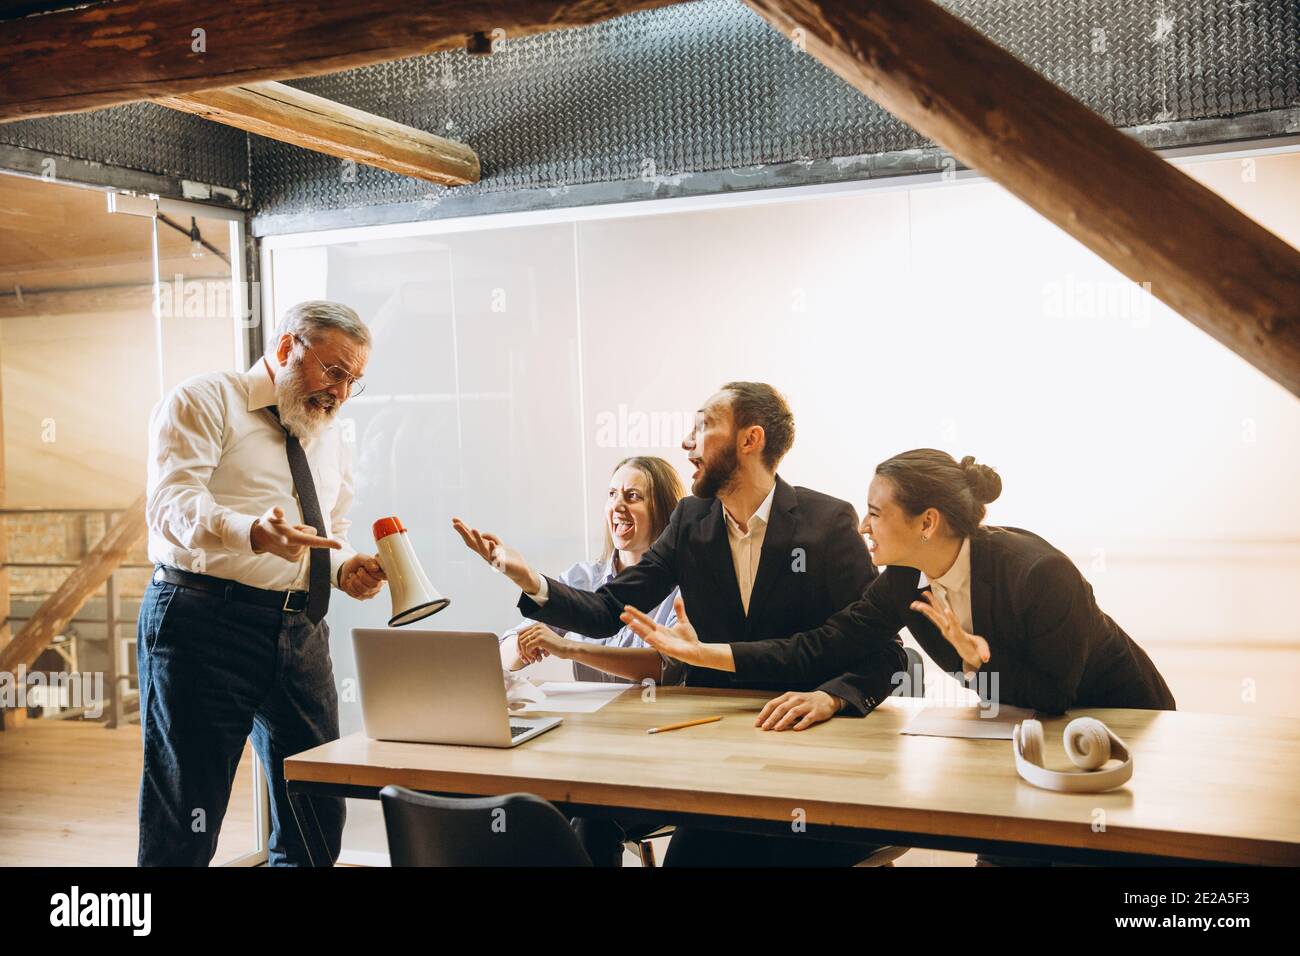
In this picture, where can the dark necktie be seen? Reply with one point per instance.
(318, 569)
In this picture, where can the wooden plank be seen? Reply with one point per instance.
(10, 718)
(314, 122)
(188, 296)
(59, 608)
(1196, 793)
(96, 301)
(1225, 273)
(96, 56)
(5, 608)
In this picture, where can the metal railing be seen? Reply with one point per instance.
(117, 679)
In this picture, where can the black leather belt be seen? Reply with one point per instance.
(291, 602)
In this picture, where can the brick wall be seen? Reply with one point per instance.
(61, 537)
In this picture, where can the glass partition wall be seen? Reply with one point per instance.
(106, 301)
(518, 358)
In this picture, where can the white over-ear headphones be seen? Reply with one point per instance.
(1089, 744)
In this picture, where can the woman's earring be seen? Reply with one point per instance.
(925, 539)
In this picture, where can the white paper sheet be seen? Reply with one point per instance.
(574, 697)
(520, 692)
(971, 722)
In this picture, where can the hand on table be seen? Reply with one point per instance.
(798, 711)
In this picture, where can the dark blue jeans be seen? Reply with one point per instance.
(212, 673)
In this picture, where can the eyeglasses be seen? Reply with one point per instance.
(335, 374)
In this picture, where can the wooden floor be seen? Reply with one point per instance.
(68, 789)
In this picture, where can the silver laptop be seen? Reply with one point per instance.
(437, 687)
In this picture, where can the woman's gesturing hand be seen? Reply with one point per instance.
(680, 641)
(502, 557)
(974, 650)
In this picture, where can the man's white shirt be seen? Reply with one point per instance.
(217, 462)
(747, 546)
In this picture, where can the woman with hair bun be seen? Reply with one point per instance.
(999, 605)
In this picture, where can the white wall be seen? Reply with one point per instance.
(958, 318)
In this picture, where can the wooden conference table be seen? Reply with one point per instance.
(1205, 787)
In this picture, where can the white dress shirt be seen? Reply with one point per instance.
(746, 550)
(747, 546)
(952, 588)
(217, 462)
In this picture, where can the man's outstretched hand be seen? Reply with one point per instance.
(273, 534)
(502, 557)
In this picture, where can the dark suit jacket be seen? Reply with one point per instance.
(813, 563)
(1050, 645)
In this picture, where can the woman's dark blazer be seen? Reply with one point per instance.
(1050, 646)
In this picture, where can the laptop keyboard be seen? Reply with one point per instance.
(516, 730)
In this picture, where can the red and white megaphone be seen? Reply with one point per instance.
(413, 596)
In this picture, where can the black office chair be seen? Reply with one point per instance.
(916, 673)
(516, 829)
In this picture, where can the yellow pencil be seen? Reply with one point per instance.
(685, 723)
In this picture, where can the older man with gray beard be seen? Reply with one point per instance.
(249, 490)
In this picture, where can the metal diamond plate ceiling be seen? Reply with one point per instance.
(698, 87)
(708, 86)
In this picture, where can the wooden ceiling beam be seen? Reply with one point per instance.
(111, 53)
(1209, 262)
(10, 717)
(313, 122)
(96, 301)
(188, 297)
